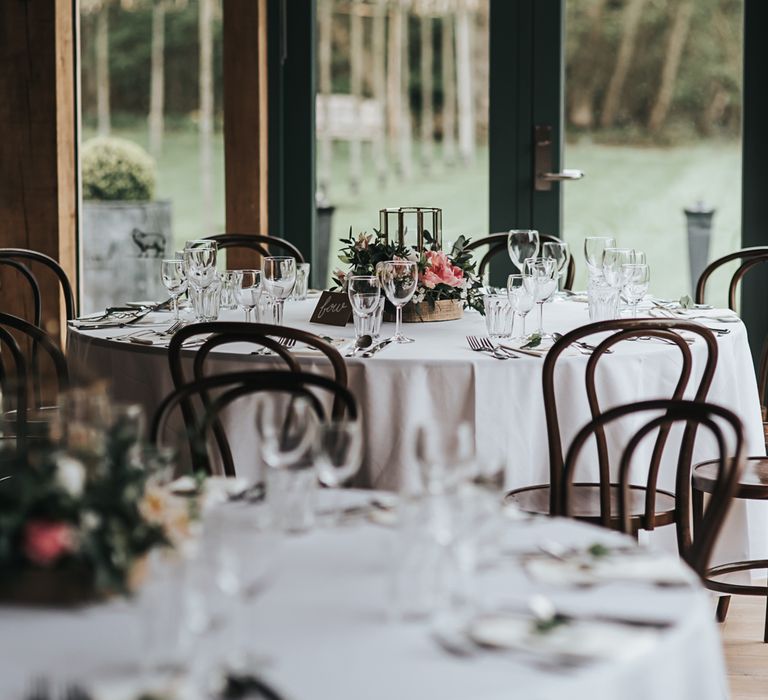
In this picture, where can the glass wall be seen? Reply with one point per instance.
(402, 112)
(151, 151)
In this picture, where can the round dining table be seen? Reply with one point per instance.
(324, 625)
(438, 381)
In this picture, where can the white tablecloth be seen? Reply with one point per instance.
(439, 382)
(326, 629)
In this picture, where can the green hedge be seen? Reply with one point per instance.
(117, 170)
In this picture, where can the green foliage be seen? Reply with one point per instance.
(117, 170)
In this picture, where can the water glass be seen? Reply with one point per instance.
(290, 498)
(230, 284)
(372, 324)
(279, 277)
(207, 301)
(499, 315)
(302, 282)
(603, 301)
(364, 293)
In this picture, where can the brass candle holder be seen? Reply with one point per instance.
(403, 220)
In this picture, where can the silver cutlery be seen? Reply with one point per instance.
(477, 345)
(362, 343)
(286, 343)
(377, 348)
(585, 347)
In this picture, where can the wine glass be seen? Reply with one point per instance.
(522, 244)
(544, 274)
(613, 260)
(364, 294)
(338, 453)
(594, 247)
(175, 281)
(286, 428)
(400, 278)
(279, 276)
(249, 291)
(636, 277)
(521, 297)
(560, 253)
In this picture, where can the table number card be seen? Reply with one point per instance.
(333, 309)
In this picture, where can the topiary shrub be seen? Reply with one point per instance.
(116, 170)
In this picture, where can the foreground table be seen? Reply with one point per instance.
(324, 629)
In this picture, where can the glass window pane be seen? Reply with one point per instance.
(402, 113)
(151, 141)
(653, 116)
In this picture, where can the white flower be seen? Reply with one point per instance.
(70, 475)
(91, 520)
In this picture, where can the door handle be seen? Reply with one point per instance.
(543, 177)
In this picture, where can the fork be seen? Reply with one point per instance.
(481, 345)
(287, 343)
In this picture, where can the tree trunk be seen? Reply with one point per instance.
(157, 78)
(102, 70)
(325, 154)
(631, 24)
(675, 45)
(205, 19)
(427, 109)
(449, 92)
(380, 89)
(394, 80)
(583, 83)
(406, 137)
(464, 84)
(356, 87)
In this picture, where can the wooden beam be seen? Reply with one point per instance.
(38, 181)
(245, 122)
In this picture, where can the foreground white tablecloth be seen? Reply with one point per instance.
(326, 629)
(439, 382)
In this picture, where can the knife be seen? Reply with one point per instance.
(380, 346)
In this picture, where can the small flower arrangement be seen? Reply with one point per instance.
(442, 276)
(80, 521)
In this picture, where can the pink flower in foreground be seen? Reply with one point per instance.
(441, 271)
(45, 542)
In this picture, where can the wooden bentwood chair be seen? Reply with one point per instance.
(224, 333)
(597, 502)
(258, 243)
(235, 385)
(497, 244)
(694, 548)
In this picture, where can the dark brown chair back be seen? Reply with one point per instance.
(497, 243)
(622, 330)
(238, 384)
(258, 243)
(750, 258)
(259, 334)
(695, 549)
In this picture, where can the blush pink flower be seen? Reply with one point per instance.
(45, 542)
(441, 271)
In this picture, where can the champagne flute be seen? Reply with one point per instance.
(560, 253)
(522, 244)
(400, 278)
(364, 294)
(279, 277)
(249, 291)
(521, 297)
(637, 277)
(175, 281)
(594, 247)
(543, 272)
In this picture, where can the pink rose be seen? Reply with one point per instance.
(441, 271)
(45, 541)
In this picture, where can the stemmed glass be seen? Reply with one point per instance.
(400, 278)
(200, 263)
(338, 453)
(364, 294)
(279, 277)
(520, 295)
(613, 260)
(249, 291)
(175, 281)
(637, 277)
(594, 247)
(544, 274)
(521, 245)
(560, 253)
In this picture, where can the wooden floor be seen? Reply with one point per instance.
(745, 652)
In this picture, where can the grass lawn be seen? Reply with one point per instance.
(636, 194)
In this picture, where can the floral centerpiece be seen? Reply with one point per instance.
(76, 525)
(445, 279)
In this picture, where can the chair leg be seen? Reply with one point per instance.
(722, 608)
(765, 631)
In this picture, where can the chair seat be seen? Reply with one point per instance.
(586, 503)
(753, 482)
